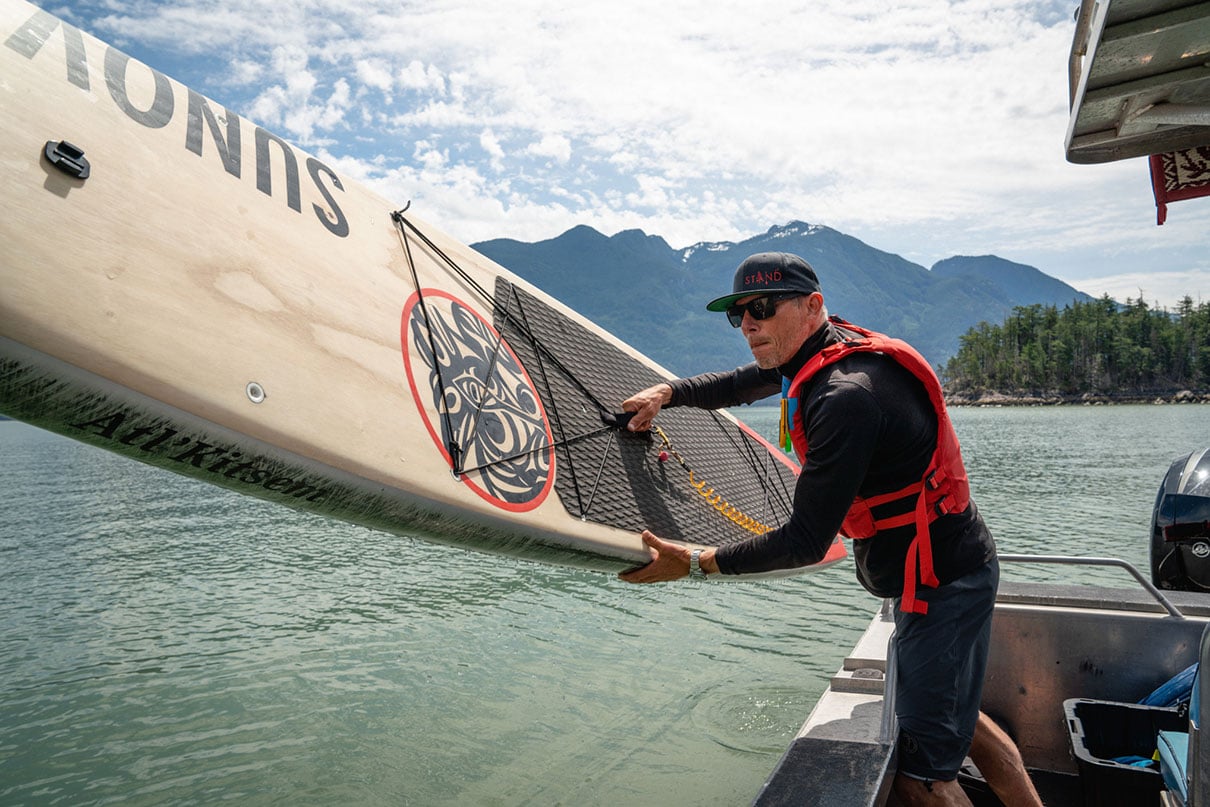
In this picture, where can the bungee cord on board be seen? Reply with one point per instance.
(778, 498)
(776, 495)
(519, 322)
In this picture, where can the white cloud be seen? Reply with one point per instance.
(376, 73)
(246, 72)
(555, 146)
(491, 146)
(416, 76)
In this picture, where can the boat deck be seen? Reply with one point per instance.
(1049, 643)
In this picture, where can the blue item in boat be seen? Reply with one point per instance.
(1135, 761)
(1174, 754)
(1175, 691)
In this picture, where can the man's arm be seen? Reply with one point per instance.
(743, 385)
(844, 420)
(845, 426)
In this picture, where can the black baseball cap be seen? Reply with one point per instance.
(769, 273)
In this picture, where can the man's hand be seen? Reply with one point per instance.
(646, 405)
(668, 562)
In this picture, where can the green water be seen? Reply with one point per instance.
(165, 642)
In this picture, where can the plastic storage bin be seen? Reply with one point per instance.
(1101, 731)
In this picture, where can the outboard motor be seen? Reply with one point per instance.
(1180, 526)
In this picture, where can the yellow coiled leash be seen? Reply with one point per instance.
(715, 500)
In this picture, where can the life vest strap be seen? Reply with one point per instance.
(891, 522)
(919, 558)
(902, 493)
(940, 508)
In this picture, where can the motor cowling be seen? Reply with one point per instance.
(1180, 525)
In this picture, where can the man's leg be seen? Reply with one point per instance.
(997, 758)
(941, 657)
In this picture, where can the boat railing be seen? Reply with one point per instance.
(1065, 560)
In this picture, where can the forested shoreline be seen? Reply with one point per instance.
(1085, 352)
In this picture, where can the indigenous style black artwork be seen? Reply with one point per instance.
(477, 401)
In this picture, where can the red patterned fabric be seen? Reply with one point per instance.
(1179, 175)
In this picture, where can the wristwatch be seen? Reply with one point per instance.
(695, 567)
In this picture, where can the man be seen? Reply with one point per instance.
(881, 464)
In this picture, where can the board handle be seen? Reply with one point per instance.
(68, 158)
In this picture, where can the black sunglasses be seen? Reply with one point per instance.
(760, 308)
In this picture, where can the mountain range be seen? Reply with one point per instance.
(654, 296)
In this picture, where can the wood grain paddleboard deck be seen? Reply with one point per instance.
(182, 287)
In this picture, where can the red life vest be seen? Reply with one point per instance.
(943, 488)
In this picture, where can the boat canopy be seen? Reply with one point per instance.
(1139, 76)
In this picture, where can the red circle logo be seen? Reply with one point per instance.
(477, 401)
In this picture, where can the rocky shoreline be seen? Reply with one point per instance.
(992, 398)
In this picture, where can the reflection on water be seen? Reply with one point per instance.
(164, 641)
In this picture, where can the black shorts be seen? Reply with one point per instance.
(940, 660)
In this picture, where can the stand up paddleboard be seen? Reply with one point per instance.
(183, 287)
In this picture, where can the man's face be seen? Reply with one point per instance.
(775, 340)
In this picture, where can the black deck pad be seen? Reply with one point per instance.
(615, 477)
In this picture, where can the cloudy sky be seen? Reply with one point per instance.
(927, 128)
